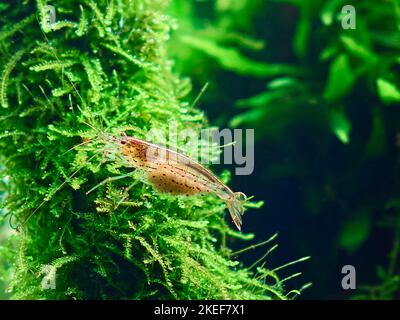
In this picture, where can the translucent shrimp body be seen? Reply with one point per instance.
(169, 171)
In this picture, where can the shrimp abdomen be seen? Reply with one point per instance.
(177, 181)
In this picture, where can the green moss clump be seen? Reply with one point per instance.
(103, 62)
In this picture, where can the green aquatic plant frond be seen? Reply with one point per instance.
(388, 283)
(127, 56)
(231, 59)
(340, 125)
(9, 31)
(6, 75)
(339, 99)
(388, 92)
(52, 65)
(353, 57)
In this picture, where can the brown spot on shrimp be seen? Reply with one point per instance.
(168, 179)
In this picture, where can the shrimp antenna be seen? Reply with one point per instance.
(90, 126)
(99, 132)
(78, 145)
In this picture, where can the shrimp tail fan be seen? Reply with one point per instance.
(235, 207)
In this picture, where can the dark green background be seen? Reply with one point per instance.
(332, 199)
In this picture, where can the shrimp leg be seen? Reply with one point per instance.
(109, 179)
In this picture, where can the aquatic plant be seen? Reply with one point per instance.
(103, 62)
(325, 106)
(387, 286)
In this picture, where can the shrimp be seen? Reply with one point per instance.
(169, 171)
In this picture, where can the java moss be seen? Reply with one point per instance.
(103, 62)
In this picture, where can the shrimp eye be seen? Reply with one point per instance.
(123, 142)
(241, 197)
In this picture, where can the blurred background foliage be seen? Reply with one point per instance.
(325, 105)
